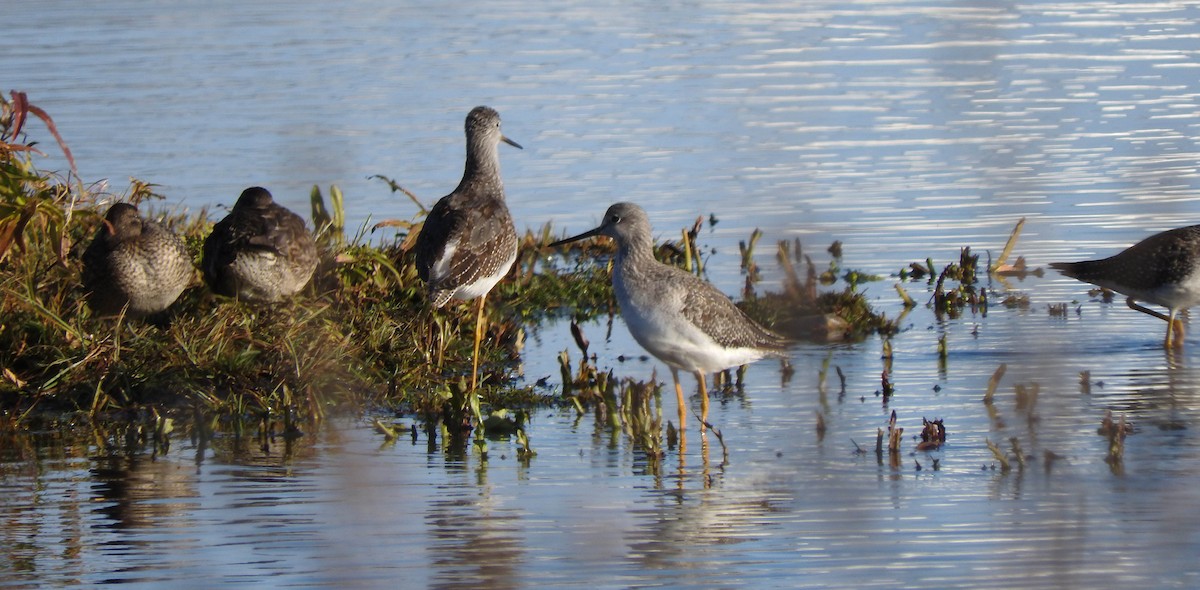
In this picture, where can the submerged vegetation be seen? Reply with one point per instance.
(360, 335)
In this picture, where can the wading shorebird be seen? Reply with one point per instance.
(468, 243)
(260, 252)
(682, 320)
(134, 264)
(1163, 269)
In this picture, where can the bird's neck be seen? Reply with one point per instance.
(482, 171)
(636, 252)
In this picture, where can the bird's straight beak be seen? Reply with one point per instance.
(584, 235)
(511, 142)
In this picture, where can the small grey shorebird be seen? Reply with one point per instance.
(468, 243)
(1163, 269)
(260, 252)
(682, 320)
(134, 264)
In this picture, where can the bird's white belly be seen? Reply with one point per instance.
(658, 325)
(483, 285)
(1177, 296)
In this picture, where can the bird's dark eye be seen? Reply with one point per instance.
(615, 218)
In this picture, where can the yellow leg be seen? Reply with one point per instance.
(682, 412)
(1168, 342)
(1146, 310)
(1175, 331)
(478, 338)
(703, 401)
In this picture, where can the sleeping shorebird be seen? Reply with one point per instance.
(134, 264)
(260, 252)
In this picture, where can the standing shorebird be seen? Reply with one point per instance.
(468, 243)
(261, 251)
(1163, 269)
(134, 264)
(680, 319)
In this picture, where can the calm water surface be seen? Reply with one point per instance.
(904, 129)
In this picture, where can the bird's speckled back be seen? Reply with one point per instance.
(261, 251)
(134, 264)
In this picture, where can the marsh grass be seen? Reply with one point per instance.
(359, 337)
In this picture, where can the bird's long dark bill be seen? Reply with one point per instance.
(511, 142)
(582, 236)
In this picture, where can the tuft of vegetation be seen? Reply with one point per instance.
(360, 336)
(800, 310)
(955, 288)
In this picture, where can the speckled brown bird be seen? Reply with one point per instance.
(468, 242)
(682, 320)
(134, 264)
(260, 252)
(1160, 269)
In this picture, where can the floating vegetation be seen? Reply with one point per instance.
(641, 416)
(916, 271)
(1018, 269)
(950, 300)
(799, 311)
(1017, 453)
(933, 434)
(822, 381)
(999, 455)
(1015, 301)
(749, 266)
(893, 436)
(956, 287)
(390, 432)
(993, 383)
(990, 395)
(904, 296)
(692, 261)
(803, 312)
(622, 405)
(1115, 431)
(886, 388)
(1105, 295)
(360, 336)
(1026, 397)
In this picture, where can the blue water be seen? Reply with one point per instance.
(904, 129)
